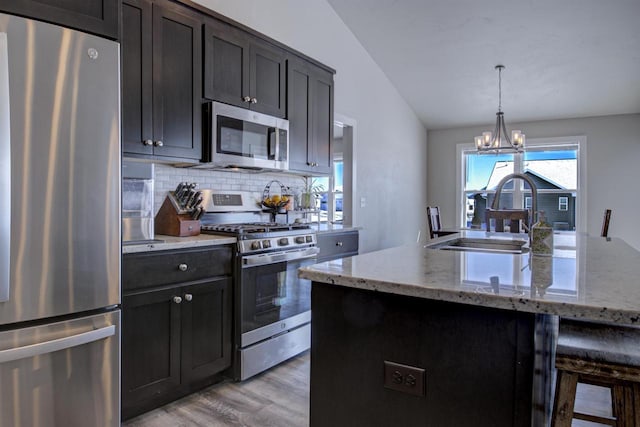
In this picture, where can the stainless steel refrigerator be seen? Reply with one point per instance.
(59, 226)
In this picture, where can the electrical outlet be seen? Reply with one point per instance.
(363, 202)
(404, 378)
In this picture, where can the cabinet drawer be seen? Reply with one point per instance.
(148, 269)
(337, 245)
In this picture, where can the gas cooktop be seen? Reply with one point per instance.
(251, 228)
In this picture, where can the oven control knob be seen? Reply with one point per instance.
(283, 242)
(309, 239)
(255, 245)
(266, 244)
(300, 239)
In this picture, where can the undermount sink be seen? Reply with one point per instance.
(483, 245)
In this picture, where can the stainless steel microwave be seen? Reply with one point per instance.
(240, 138)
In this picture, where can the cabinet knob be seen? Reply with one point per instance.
(177, 300)
(254, 100)
(147, 142)
(246, 99)
(188, 297)
(158, 143)
(183, 267)
(338, 243)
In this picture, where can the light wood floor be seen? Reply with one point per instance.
(280, 398)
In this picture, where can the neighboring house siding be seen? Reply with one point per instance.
(560, 220)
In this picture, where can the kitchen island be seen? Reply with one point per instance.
(472, 332)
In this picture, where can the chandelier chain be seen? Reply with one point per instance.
(500, 89)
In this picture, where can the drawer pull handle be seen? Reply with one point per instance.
(188, 297)
(338, 243)
(183, 267)
(177, 300)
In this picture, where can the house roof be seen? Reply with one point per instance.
(560, 172)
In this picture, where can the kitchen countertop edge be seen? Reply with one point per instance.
(172, 242)
(334, 228)
(365, 272)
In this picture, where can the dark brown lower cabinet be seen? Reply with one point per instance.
(150, 348)
(206, 327)
(174, 341)
(450, 364)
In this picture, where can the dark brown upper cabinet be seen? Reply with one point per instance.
(243, 70)
(310, 114)
(161, 48)
(98, 17)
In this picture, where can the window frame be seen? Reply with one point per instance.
(528, 200)
(579, 142)
(563, 203)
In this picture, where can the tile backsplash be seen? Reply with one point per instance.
(167, 177)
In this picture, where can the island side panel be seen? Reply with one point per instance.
(478, 361)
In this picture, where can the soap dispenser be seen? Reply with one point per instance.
(542, 236)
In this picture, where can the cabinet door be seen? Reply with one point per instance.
(150, 348)
(298, 113)
(226, 51)
(321, 133)
(97, 16)
(136, 45)
(206, 329)
(267, 74)
(310, 113)
(177, 84)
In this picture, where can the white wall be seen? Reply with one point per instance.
(613, 168)
(390, 151)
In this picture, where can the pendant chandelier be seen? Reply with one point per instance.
(499, 140)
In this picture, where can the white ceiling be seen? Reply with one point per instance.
(563, 58)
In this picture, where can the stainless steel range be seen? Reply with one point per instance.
(272, 305)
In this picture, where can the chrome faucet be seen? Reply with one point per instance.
(534, 190)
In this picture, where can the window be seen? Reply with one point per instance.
(331, 198)
(551, 164)
(563, 203)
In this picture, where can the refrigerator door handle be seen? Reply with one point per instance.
(56, 345)
(5, 171)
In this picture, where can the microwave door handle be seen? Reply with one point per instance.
(277, 134)
(272, 135)
(5, 171)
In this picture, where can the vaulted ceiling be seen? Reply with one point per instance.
(563, 58)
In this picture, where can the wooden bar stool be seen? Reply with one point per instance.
(435, 227)
(605, 355)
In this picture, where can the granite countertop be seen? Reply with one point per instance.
(589, 278)
(171, 242)
(328, 228)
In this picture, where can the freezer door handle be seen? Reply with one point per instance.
(56, 345)
(5, 171)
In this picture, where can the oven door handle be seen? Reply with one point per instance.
(272, 258)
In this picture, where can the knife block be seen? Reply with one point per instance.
(173, 221)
